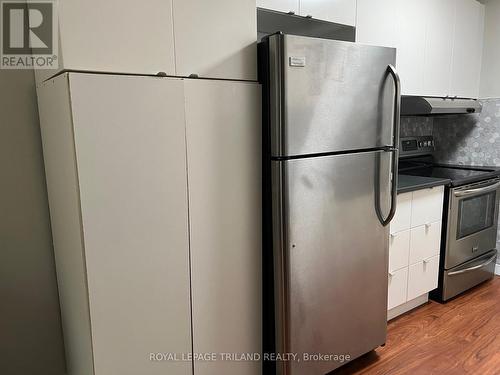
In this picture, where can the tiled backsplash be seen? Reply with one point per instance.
(416, 126)
(462, 139)
(470, 140)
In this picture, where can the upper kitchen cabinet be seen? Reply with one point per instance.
(467, 48)
(410, 43)
(338, 11)
(439, 42)
(174, 37)
(138, 40)
(440, 25)
(286, 6)
(376, 22)
(216, 38)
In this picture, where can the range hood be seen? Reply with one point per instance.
(421, 105)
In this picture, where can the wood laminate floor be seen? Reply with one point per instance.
(459, 337)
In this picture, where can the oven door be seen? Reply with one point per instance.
(472, 221)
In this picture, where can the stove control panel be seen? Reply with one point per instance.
(413, 146)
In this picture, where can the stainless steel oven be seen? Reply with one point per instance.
(472, 221)
(471, 236)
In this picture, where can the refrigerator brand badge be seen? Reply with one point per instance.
(297, 61)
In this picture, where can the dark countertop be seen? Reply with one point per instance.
(408, 183)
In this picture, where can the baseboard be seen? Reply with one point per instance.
(405, 307)
(497, 269)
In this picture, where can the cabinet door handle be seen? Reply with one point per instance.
(426, 261)
(428, 226)
(391, 274)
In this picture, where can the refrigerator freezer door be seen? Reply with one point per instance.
(329, 96)
(331, 257)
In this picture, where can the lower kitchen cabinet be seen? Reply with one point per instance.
(154, 193)
(414, 249)
(398, 281)
(425, 242)
(422, 277)
(399, 250)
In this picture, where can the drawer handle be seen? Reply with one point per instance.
(427, 261)
(484, 264)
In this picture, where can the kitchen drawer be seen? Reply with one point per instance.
(397, 288)
(427, 206)
(399, 248)
(423, 277)
(402, 219)
(425, 242)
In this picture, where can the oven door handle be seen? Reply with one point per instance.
(484, 264)
(481, 190)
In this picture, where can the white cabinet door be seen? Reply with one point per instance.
(376, 22)
(65, 218)
(130, 154)
(402, 218)
(339, 11)
(115, 36)
(399, 248)
(427, 206)
(438, 46)
(423, 277)
(280, 5)
(411, 22)
(467, 50)
(224, 176)
(398, 281)
(216, 38)
(425, 242)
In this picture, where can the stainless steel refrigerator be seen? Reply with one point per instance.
(331, 124)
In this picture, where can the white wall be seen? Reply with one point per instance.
(490, 74)
(30, 327)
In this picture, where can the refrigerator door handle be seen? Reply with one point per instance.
(394, 148)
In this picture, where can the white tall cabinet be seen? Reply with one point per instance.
(154, 192)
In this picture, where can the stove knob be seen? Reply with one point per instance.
(420, 144)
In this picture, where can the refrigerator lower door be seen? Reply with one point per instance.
(331, 258)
